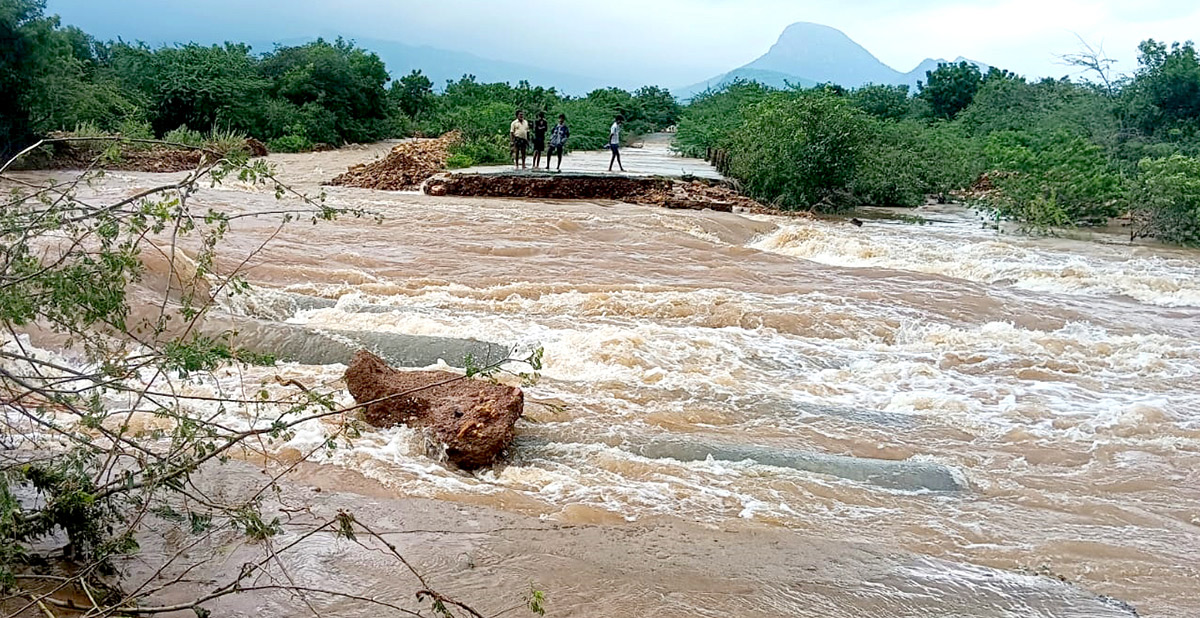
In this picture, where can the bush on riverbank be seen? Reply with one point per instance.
(799, 149)
(1167, 199)
(1052, 180)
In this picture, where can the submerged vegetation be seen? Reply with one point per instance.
(1047, 153)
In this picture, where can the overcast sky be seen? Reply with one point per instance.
(671, 42)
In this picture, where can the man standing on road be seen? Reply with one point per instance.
(518, 132)
(558, 141)
(614, 143)
(539, 139)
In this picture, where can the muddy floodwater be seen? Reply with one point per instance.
(1057, 381)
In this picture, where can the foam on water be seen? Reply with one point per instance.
(964, 252)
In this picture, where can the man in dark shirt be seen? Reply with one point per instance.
(558, 141)
(539, 140)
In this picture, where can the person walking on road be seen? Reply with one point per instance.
(539, 139)
(558, 141)
(614, 143)
(518, 132)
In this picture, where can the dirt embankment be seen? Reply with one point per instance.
(693, 194)
(153, 158)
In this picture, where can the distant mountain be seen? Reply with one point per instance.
(808, 54)
(930, 64)
(824, 54)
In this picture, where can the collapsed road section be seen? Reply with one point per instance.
(686, 193)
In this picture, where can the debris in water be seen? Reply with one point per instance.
(471, 419)
(256, 148)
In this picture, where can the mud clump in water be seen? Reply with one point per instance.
(472, 419)
(404, 168)
(256, 148)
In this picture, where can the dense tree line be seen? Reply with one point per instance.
(1047, 153)
(57, 78)
(61, 79)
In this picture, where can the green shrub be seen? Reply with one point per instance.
(711, 118)
(1167, 198)
(290, 143)
(590, 122)
(657, 106)
(458, 161)
(1052, 180)
(482, 111)
(949, 159)
(89, 129)
(799, 150)
(226, 141)
(908, 160)
(135, 129)
(882, 101)
(132, 128)
(1164, 94)
(186, 136)
(892, 171)
(482, 150)
(950, 88)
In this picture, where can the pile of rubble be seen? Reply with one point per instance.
(404, 168)
(256, 148)
(469, 421)
(700, 195)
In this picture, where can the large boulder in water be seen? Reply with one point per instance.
(472, 419)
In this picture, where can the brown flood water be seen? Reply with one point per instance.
(1057, 378)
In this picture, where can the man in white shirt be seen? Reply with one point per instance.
(518, 132)
(614, 143)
